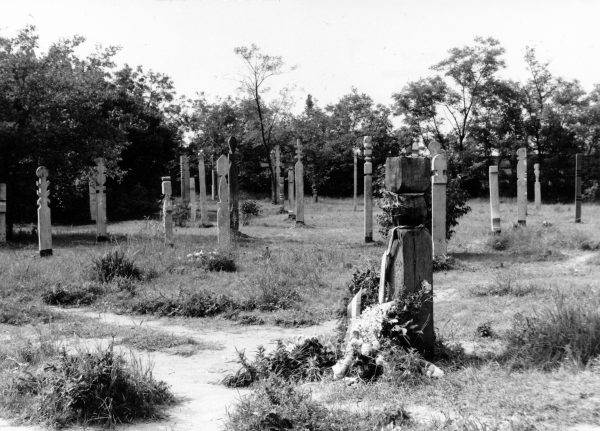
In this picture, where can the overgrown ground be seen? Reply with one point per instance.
(290, 276)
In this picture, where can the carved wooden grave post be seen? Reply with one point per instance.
(537, 187)
(202, 183)
(279, 191)
(213, 178)
(522, 186)
(93, 200)
(410, 244)
(193, 199)
(167, 209)
(439, 179)
(494, 200)
(368, 192)
(291, 191)
(223, 215)
(299, 183)
(101, 230)
(578, 168)
(184, 162)
(355, 152)
(2, 213)
(44, 224)
(234, 191)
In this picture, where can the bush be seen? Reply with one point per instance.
(115, 264)
(249, 210)
(567, 330)
(83, 294)
(306, 361)
(456, 207)
(213, 261)
(89, 388)
(181, 214)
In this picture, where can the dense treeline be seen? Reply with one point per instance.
(63, 110)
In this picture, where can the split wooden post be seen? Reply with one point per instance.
(2, 213)
(202, 182)
(439, 180)
(167, 210)
(193, 199)
(299, 183)
(185, 179)
(522, 186)
(578, 168)
(233, 186)
(410, 245)
(223, 215)
(368, 192)
(291, 191)
(43, 212)
(537, 187)
(494, 200)
(101, 228)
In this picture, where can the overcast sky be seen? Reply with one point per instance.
(376, 46)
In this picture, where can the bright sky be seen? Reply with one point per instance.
(376, 46)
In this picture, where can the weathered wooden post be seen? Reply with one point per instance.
(213, 178)
(223, 214)
(279, 180)
(101, 229)
(167, 210)
(439, 179)
(578, 168)
(410, 244)
(368, 192)
(291, 192)
(193, 199)
(537, 187)
(234, 189)
(274, 184)
(522, 186)
(2, 213)
(93, 200)
(184, 163)
(494, 200)
(299, 183)
(202, 182)
(43, 212)
(355, 152)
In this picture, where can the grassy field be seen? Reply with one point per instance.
(297, 276)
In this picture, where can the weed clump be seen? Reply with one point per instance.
(305, 361)
(187, 304)
(83, 294)
(569, 330)
(278, 405)
(212, 261)
(249, 209)
(504, 284)
(20, 313)
(367, 280)
(87, 388)
(115, 264)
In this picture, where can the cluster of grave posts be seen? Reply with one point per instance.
(225, 188)
(522, 191)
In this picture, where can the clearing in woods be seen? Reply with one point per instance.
(289, 283)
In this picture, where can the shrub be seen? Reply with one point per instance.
(365, 279)
(90, 388)
(114, 264)
(249, 210)
(567, 330)
(181, 214)
(306, 361)
(456, 207)
(83, 294)
(213, 261)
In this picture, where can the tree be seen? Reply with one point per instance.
(470, 71)
(260, 67)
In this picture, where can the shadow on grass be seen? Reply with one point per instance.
(496, 258)
(62, 239)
